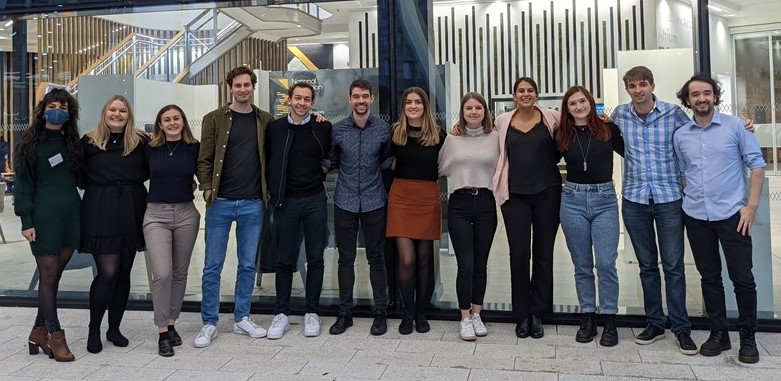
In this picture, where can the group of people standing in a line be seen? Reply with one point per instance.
(678, 171)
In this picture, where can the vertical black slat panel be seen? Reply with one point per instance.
(468, 73)
(365, 36)
(554, 41)
(485, 58)
(495, 58)
(516, 73)
(537, 54)
(642, 25)
(510, 49)
(634, 27)
(461, 45)
(618, 17)
(590, 51)
(446, 41)
(502, 47)
(474, 48)
(560, 60)
(597, 69)
(524, 46)
(531, 43)
(604, 42)
(543, 81)
(583, 49)
(374, 50)
(627, 30)
(575, 55)
(567, 48)
(480, 70)
(439, 38)
(453, 31)
(360, 45)
(612, 39)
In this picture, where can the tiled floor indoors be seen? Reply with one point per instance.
(356, 355)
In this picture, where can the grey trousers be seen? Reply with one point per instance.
(170, 231)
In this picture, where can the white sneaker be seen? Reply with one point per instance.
(205, 336)
(278, 327)
(311, 325)
(467, 331)
(248, 327)
(478, 326)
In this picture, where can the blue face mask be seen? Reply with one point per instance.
(56, 116)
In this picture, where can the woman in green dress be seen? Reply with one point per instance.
(47, 171)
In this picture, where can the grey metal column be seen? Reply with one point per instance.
(701, 36)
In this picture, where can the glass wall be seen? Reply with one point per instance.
(479, 47)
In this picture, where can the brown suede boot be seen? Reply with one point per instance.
(59, 348)
(39, 338)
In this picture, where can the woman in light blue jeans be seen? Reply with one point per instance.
(589, 209)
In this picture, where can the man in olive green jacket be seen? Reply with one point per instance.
(230, 172)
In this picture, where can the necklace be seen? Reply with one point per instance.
(588, 147)
(171, 151)
(115, 137)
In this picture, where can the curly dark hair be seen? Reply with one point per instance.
(27, 149)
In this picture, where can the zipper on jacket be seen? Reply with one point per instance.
(283, 169)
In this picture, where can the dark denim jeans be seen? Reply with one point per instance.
(639, 220)
(312, 213)
(471, 220)
(346, 228)
(704, 238)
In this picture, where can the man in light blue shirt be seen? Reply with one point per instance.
(713, 151)
(652, 195)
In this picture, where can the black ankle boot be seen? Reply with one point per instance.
(164, 346)
(609, 333)
(588, 328)
(116, 337)
(536, 331)
(94, 345)
(522, 328)
(748, 346)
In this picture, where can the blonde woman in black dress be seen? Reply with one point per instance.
(111, 214)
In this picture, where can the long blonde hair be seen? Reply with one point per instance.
(100, 135)
(158, 135)
(429, 135)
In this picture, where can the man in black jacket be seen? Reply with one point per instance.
(296, 147)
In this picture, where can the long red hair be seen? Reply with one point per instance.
(566, 131)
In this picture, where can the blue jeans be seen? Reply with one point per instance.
(589, 219)
(639, 221)
(310, 212)
(248, 215)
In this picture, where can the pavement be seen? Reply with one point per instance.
(356, 355)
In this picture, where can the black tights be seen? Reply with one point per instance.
(416, 273)
(50, 268)
(110, 289)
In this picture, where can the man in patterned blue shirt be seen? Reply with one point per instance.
(360, 147)
(652, 195)
(713, 151)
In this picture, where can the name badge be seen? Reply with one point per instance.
(55, 160)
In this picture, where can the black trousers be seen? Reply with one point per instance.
(531, 221)
(704, 238)
(471, 221)
(346, 230)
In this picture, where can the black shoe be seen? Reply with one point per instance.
(522, 328)
(609, 332)
(176, 340)
(650, 334)
(588, 328)
(94, 345)
(380, 324)
(748, 346)
(116, 337)
(535, 328)
(421, 324)
(405, 328)
(686, 344)
(165, 348)
(717, 342)
(344, 321)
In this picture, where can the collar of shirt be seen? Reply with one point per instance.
(655, 108)
(716, 119)
(293, 122)
(369, 121)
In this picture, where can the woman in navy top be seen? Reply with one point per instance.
(171, 221)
